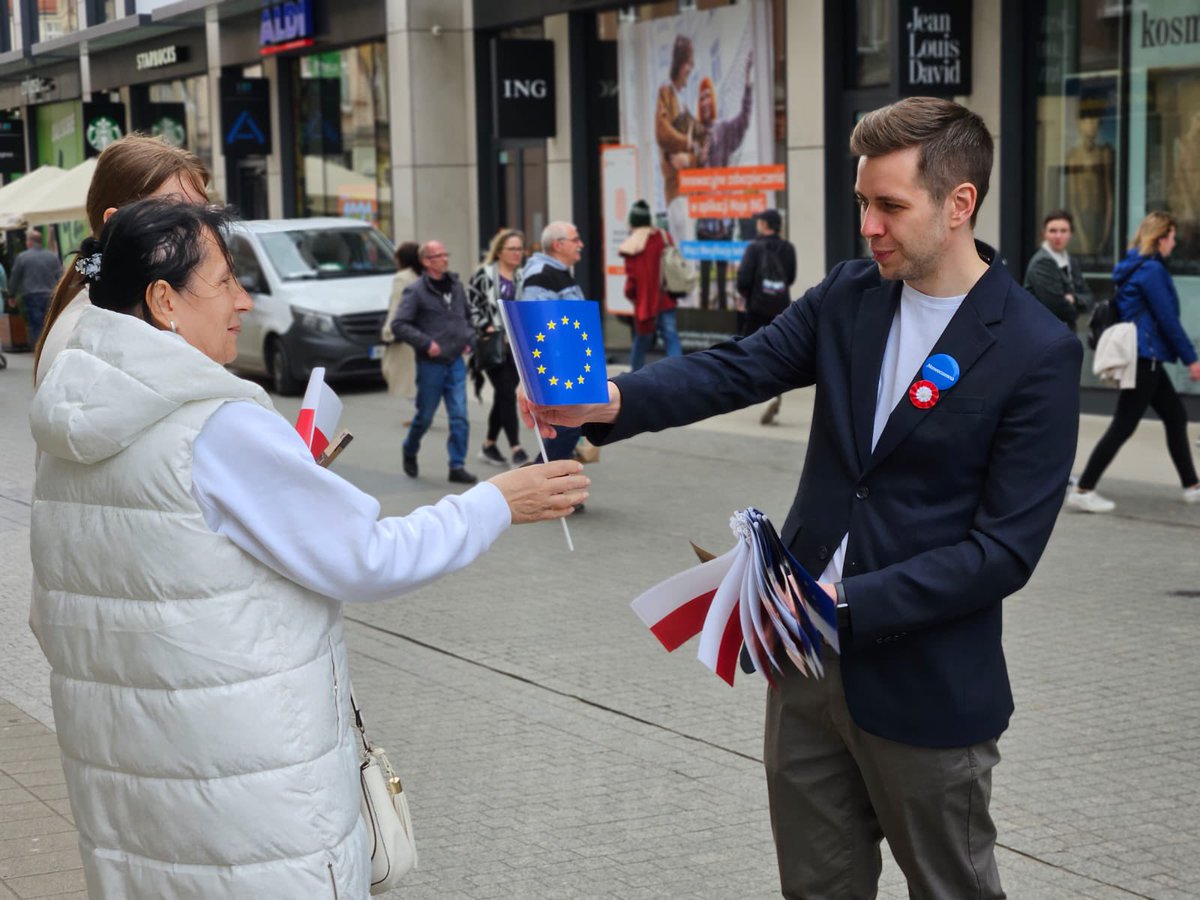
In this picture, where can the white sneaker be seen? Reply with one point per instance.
(1090, 501)
(1192, 494)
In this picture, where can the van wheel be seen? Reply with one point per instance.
(282, 380)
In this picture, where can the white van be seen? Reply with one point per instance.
(320, 289)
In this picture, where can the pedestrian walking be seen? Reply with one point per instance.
(129, 169)
(1145, 295)
(497, 279)
(34, 275)
(1054, 276)
(764, 281)
(653, 307)
(432, 318)
(399, 364)
(199, 671)
(923, 502)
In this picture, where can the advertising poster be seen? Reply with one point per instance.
(618, 178)
(695, 93)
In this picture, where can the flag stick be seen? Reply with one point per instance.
(537, 426)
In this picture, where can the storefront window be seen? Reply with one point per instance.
(1118, 136)
(343, 137)
(179, 113)
(873, 43)
(56, 18)
(8, 40)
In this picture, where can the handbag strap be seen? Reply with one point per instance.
(358, 723)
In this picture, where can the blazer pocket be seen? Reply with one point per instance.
(963, 405)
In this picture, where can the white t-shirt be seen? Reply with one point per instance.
(916, 327)
(257, 484)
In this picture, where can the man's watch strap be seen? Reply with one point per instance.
(843, 611)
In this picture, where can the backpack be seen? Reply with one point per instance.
(1105, 313)
(769, 295)
(674, 272)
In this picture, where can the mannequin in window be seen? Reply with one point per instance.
(1090, 188)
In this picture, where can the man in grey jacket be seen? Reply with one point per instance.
(34, 277)
(1053, 276)
(433, 318)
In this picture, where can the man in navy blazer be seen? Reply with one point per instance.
(943, 432)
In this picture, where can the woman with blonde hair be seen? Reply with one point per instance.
(498, 278)
(133, 168)
(1145, 295)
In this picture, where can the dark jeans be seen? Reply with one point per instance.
(1153, 389)
(562, 445)
(437, 382)
(35, 313)
(503, 416)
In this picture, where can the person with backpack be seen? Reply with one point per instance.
(764, 281)
(653, 304)
(1145, 295)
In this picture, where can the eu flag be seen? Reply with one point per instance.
(559, 348)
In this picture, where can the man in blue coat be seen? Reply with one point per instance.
(944, 427)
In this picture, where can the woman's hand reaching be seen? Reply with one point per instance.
(548, 491)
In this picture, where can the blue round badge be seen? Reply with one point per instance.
(942, 370)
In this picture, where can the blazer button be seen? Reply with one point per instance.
(822, 552)
(863, 492)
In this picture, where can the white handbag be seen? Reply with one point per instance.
(385, 810)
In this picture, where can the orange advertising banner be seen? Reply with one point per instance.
(725, 206)
(733, 178)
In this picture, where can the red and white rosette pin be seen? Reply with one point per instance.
(923, 394)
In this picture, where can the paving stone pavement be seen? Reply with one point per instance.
(553, 750)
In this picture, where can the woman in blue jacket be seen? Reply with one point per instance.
(1145, 295)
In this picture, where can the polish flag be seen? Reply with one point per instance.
(319, 414)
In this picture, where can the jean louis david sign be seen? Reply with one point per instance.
(935, 48)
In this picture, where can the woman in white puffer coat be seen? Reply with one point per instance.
(191, 562)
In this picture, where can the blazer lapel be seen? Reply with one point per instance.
(871, 329)
(965, 338)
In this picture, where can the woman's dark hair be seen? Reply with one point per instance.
(145, 242)
(639, 214)
(681, 54)
(408, 257)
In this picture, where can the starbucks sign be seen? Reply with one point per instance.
(103, 123)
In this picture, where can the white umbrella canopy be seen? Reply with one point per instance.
(62, 200)
(13, 195)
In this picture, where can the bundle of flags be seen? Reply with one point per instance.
(559, 348)
(319, 414)
(757, 594)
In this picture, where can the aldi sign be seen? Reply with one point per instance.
(286, 26)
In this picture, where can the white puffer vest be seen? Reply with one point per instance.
(199, 696)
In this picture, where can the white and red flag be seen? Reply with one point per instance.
(319, 413)
(756, 595)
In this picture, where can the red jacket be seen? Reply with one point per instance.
(643, 251)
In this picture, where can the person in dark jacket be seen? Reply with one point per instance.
(750, 272)
(1054, 276)
(34, 275)
(433, 318)
(1146, 297)
(653, 307)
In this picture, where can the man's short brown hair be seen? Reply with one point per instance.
(955, 144)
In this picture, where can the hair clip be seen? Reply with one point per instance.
(88, 267)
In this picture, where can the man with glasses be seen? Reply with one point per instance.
(547, 276)
(433, 318)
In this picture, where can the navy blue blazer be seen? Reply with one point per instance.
(950, 512)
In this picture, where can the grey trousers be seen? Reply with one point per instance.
(835, 791)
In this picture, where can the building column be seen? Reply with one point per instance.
(558, 148)
(431, 100)
(212, 42)
(805, 220)
(985, 101)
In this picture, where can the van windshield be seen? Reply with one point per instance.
(328, 253)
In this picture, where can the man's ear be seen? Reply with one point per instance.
(962, 202)
(162, 302)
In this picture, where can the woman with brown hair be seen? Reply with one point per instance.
(133, 168)
(399, 363)
(1145, 295)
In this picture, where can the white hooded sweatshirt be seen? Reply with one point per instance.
(200, 697)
